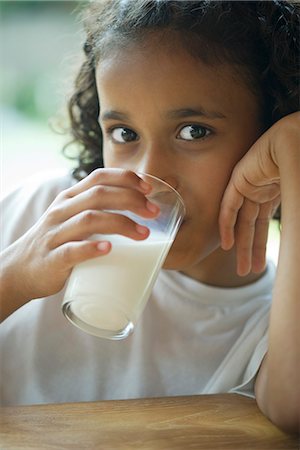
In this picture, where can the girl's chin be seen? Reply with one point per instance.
(177, 259)
(184, 256)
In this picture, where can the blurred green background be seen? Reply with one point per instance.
(40, 50)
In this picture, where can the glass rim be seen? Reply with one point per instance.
(166, 184)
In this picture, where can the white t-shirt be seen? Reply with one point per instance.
(191, 338)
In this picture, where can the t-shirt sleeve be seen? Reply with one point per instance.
(22, 207)
(239, 367)
(250, 374)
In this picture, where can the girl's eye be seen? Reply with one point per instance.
(191, 132)
(123, 135)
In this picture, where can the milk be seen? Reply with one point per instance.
(110, 292)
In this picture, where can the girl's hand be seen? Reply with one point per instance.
(39, 263)
(253, 194)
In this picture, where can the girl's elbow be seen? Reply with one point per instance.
(286, 416)
(280, 403)
(287, 424)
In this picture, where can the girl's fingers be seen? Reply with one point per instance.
(90, 208)
(266, 213)
(231, 204)
(112, 189)
(261, 237)
(244, 235)
(247, 227)
(101, 197)
(91, 222)
(110, 177)
(72, 253)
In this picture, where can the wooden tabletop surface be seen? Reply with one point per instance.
(217, 422)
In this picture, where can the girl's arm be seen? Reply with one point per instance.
(269, 169)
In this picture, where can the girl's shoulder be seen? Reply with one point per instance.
(47, 182)
(24, 205)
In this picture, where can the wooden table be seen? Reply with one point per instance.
(217, 422)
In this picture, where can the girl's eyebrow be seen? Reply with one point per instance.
(173, 114)
(188, 112)
(113, 115)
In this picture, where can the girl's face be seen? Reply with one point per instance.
(168, 114)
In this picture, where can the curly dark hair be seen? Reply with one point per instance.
(261, 37)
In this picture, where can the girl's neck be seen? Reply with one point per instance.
(219, 269)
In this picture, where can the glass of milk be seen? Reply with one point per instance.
(106, 295)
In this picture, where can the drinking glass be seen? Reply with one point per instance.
(106, 295)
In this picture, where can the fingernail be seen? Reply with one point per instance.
(152, 207)
(142, 230)
(146, 187)
(103, 246)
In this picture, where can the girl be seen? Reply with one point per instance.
(205, 96)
